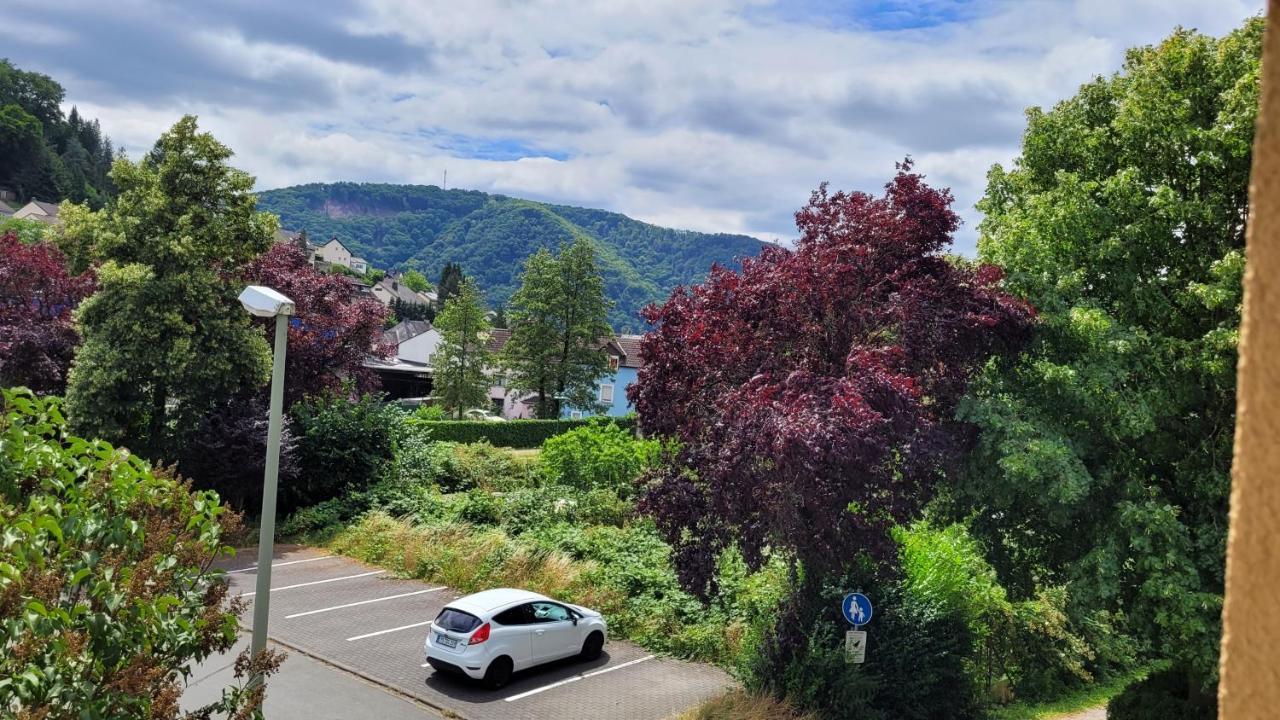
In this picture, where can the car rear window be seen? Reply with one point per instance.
(457, 621)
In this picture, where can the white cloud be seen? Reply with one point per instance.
(712, 115)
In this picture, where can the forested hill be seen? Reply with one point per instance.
(491, 235)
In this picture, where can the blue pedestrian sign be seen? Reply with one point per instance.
(857, 609)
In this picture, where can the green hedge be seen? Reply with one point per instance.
(511, 433)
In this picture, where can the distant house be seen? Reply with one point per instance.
(361, 287)
(408, 373)
(334, 253)
(389, 289)
(611, 390)
(288, 237)
(6, 210)
(510, 405)
(46, 213)
(359, 264)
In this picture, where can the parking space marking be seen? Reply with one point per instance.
(362, 602)
(575, 678)
(276, 565)
(389, 630)
(319, 582)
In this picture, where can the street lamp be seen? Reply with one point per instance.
(262, 301)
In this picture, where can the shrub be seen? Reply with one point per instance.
(1029, 647)
(343, 445)
(228, 452)
(510, 433)
(1164, 695)
(419, 460)
(106, 593)
(597, 455)
(481, 465)
(914, 666)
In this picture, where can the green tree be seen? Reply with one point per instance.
(415, 281)
(451, 279)
(460, 377)
(557, 318)
(108, 594)
(1105, 449)
(164, 337)
(43, 155)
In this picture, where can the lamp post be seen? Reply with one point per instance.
(262, 301)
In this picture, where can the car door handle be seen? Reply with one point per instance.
(539, 632)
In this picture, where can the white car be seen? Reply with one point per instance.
(482, 415)
(491, 634)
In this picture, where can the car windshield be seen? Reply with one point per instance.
(457, 621)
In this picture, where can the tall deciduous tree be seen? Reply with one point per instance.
(812, 393)
(1105, 450)
(164, 336)
(333, 331)
(460, 378)
(37, 295)
(557, 319)
(415, 281)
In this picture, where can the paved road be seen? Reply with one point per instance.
(363, 620)
(305, 689)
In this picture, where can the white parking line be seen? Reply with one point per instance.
(362, 602)
(319, 582)
(276, 565)
(576, 678)
(389, 630)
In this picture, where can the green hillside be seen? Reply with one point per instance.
(491, 235)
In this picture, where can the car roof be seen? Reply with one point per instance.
(483, 602)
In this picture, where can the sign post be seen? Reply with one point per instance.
(857, 610)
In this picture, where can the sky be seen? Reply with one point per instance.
(712, 115)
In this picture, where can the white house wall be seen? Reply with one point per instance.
(420, 348)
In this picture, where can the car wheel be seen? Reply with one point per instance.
(498, 674)
(592, 646)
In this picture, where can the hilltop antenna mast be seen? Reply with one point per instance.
(445, 185)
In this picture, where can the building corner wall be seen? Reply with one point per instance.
(1250, 682)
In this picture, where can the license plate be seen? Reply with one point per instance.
(446, 641)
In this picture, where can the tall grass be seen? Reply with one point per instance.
(743, 705)
(462, 556)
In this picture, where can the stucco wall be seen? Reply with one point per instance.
(1250, 686)
(421, 347)
(620, 379)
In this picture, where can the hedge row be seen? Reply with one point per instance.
(512, 433)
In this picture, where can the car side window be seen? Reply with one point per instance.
(518, 615)
(545, 612)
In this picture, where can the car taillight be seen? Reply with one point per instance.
(481, 635)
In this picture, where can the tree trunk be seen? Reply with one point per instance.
(155, 425)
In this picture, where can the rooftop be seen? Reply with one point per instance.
(405, 330)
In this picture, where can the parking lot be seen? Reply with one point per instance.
(365, 621)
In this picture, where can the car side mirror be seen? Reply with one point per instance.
(575, 620)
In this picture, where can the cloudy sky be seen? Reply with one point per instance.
(717, 115)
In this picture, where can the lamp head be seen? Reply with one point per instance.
(262, 301)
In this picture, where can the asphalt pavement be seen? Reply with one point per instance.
(351, 618)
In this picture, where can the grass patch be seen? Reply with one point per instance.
(529, 454)
(1082, 699)
(743, 705)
